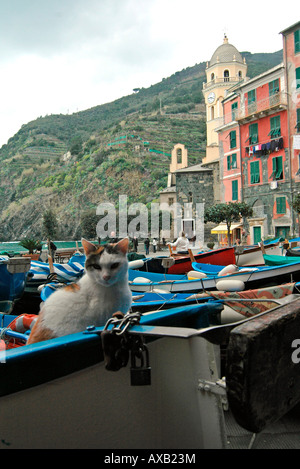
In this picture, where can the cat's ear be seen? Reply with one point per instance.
(123, 245)
(88, 247)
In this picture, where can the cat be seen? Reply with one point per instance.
(101, 292)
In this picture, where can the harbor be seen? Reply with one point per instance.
(180, 327)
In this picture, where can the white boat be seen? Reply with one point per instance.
(59, 394)
(247, 278)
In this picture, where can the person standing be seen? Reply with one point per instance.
(135, 244)
(154, 244)
(147, 244)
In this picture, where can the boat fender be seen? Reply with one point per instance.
(141, 280)
(229, 269)
(193, 274)
(230, 285)
(23, 323)
(137, 264)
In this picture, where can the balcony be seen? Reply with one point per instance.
(223, 80)
(255, 110)
(262, 108)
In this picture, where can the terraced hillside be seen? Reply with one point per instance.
(71, 163)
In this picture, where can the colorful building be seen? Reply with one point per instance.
(259, 147)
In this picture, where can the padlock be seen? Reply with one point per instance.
(116, 353)
(140, 375)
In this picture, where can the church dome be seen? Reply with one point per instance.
(226, 53)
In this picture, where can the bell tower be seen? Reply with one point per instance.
(226, 68)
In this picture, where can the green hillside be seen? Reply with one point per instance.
(71, 163)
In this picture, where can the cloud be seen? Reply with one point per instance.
(61, 56)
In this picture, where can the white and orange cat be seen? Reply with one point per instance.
(102, 291)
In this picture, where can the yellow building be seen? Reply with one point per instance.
(225, 68)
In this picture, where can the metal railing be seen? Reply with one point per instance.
(221, 80)
(268, 104)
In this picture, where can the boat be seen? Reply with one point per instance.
(245, 278)
(280, 260)
(174, 397)
(181, 264)
(13, 276)
(252, 255)
(292, 253)
(252, 302)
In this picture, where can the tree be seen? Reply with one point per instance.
(30, 244)
(228, 213)
(88, 223)
(50, 224)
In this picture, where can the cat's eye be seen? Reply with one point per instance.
(97, 266)
(115, 265)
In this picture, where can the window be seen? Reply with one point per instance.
(254, 172)
(275, 129)
(298, 120)
(277, 168)
(273, 87)
(179, 155)
(234, 185)
(252, 101)
(281, 205)
(233, 139)
(226, 75)
(298, 77)
(231, 162)
(253, 133)
(297, 41)
(251, 96)
(234, 107)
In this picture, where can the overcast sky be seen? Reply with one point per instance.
(64, 56)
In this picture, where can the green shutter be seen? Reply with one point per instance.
(234, 185)
(251, 96)
(254, 172)
(253, 133)
(228, 163)
(233, 161)
(298, 120)
(233, 139)
(234, 107)
(273, 87)
(298, 77)
(297, 41)
(279, 168)
(281, 205)
(275, 126)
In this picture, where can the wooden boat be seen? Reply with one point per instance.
(64, 382)
(252, 255)
(52, 388)
(141, 302)
(13, 276)
(244, 279)
(292, 253)
(252, 302)
(280, 260)
(182, 263)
